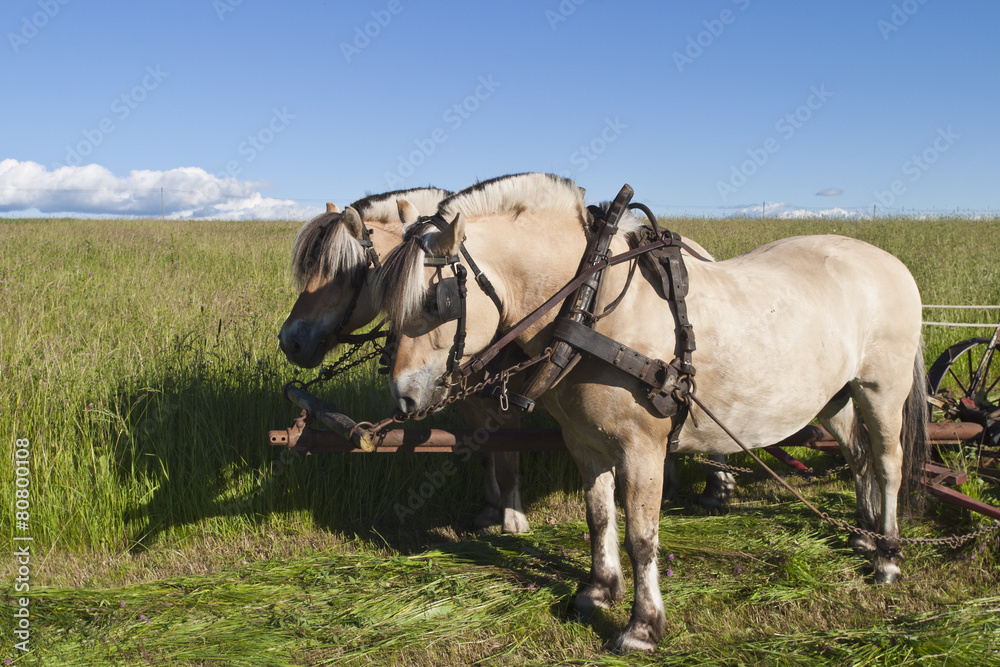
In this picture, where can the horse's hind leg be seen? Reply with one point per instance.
(607, 584)
(883, 415)
(841, 420)
(719, 485)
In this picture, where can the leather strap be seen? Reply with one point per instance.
(660, 378)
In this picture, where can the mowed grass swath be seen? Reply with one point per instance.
(140, 359)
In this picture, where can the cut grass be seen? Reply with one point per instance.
(139, 358)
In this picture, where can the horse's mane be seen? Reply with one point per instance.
(323, 246)
(382, 207)
(515, 193)
(399, 283)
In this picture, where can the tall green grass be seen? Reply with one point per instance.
(140, 359)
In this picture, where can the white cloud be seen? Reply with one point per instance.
(830, 192)
(783, 211)
(188, 192)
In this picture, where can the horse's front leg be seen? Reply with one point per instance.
(641, 474)
(607, 584)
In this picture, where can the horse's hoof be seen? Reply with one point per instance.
(887, 573)
(711, 501)
(589, 600)
(515, 522)
(488, 517)
(635, 639)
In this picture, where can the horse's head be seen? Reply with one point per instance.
(331, 259)
(420, 290)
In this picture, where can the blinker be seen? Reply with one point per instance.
(449, 300)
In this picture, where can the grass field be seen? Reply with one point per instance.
(139, 360)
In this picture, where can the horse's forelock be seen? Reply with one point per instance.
(399, 284)
(325, 247)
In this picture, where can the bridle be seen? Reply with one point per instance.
(451, 294)
(357, 281)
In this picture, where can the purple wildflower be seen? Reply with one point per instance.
(670, 556)
(142, 617)
(670, 572)
(122, 604)
(738, 570)
(586, 536)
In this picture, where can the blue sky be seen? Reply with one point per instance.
(262, 109)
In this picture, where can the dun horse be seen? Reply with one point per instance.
(330, 264)
(820, 326)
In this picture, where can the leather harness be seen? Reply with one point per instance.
(667, 384)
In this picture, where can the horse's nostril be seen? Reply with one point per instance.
(407, 404)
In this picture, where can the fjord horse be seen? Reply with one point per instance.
(332, 271)
(815, 326)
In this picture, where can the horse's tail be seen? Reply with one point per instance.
(915, 439)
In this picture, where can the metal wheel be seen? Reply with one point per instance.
(969, 369)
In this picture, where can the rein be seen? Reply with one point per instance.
(667, 384)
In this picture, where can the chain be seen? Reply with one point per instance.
(342, 364)
(463, 393)
(808, 473)
(953, 541)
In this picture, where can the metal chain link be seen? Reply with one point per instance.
(953, 541)
(341, 365)
(808, 473)
(465, 392)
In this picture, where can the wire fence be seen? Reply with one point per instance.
(761, 210)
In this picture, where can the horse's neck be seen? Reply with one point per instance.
(528, 260)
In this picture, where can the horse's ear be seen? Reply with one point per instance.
(407, 212)
(353, 222)
(451, 237)
(332, 208)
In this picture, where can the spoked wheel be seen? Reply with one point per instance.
(970, 370)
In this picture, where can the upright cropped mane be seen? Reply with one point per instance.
(516, 193)
(399, 282)
(325, 247)
(383, 206)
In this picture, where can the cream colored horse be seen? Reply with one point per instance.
(332, 272)
(806, 327)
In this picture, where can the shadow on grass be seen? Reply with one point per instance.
(193, 451)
